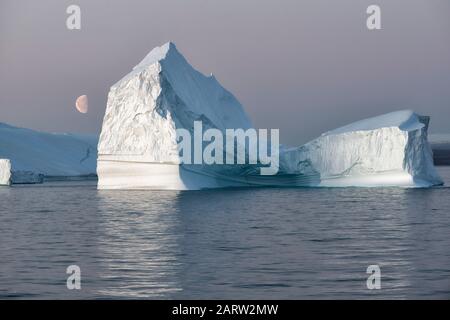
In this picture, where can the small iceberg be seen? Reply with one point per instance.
(5, 172)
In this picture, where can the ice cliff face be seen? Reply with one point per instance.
(5, 172)
(35, 155)
(138, 143)
(161, 94)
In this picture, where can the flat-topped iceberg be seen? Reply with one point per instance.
(138, 146)
(388, 150)
(35, 155)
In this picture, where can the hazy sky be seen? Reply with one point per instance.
(301, 66)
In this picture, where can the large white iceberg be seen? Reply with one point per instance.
(35, 155)
(138, 143)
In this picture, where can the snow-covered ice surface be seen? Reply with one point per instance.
(138, 143)
(35, 155)
(5, 172)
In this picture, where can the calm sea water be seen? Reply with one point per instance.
(231, 244)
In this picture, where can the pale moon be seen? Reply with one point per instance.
(82, 104)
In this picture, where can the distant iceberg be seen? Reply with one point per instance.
(34, 155)
(5, 172)
(138, 143)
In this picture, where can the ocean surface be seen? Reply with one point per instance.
(230, 244)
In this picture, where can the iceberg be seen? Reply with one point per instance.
(388, 150)
(35, 156)
(5, 172)
(138, 144)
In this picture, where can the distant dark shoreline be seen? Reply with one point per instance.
(441, 154)
(87, 177)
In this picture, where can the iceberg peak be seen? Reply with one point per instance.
(158, 54)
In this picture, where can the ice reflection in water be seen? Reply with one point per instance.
(225, 244)
(138, 244)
